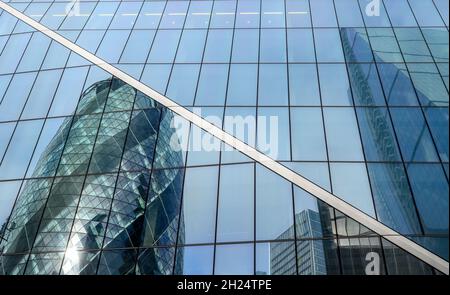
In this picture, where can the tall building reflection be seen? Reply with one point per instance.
(105, 194)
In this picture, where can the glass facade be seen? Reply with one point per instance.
(97, 177)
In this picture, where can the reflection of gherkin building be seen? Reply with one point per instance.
(104, 196)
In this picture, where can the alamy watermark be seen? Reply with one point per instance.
(262, 130)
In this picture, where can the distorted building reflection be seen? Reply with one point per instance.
(106, 199)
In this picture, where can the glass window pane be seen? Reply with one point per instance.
(273, 45)
(126, 15)
(236, 203)
(156, 76)
(183, 83)
(54, 134)
(300, 45)
(400, 13)
(112, 45)
(12, 52)
(6, 130)
(397, 85)
(16, 96)
(412, 45)
(212, 85)
(174, 15)
(384, 45)
(199, 15)
(274, 208)
(102, 15)
(426, 13)
(438, 122)
(303, 85)
(137, 47)
(245, 46)
(323, 14)
(393, 199)
(218, 46)
(342, 135)
(156, 261)
(191, 46)
(377, 134)
(247, 15)
(273, 132)
(334, 85)
(196, 260)
(328, 45)
(15, 161)
(298, 13)
(356, 45)
(276, 258)
(308, 138)
(348, 13)
(9, 191)
(234, 259)
(223, 14)
(374, 13)
(164, 46)
(351, 183)
(69, 91)
(150, 15)
(42, 94)
(272, 14)
(366, 86)
(414, 138)
(199, 205)
(429, 193)
(242, 85)
(35, 53)
(428, 84)
(273, 88)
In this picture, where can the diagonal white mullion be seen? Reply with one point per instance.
(315, 190)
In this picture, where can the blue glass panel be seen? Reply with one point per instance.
(150, 15)
(274, 207)
(308, 137)
(164, 46)
(342, 135)
(303, 85)
(195, 260)
(348, 13)
(199, 15)
(242, 84)
(212, 85)
(328, 45)
(138, 46)
(430, 195)
(218, 46)
(273, 45)
(323, 14)
(426, 13)
(273, 86)
(247, 15)
(400, 13)
(234, 259)
(414, 138)
(236, 202)
(300, 45)
(397, 85)
(223, 14)
(438, 122)
(351, 183)
(393, 199)
(246, 45)
(199, 205)
(377, 134)
(16, 96)
(298, 14)
(183, 83)
(191, 46)
(366, 86)
(334, 85)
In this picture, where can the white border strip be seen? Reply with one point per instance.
(347, 209)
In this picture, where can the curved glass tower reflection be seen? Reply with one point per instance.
(103, 196)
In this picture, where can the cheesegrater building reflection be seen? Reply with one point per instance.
(98, 177)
